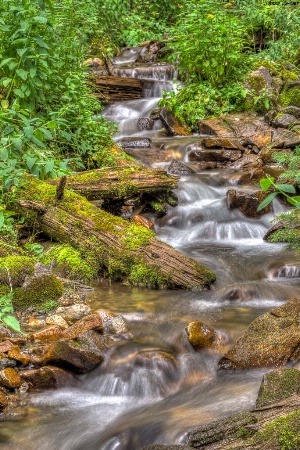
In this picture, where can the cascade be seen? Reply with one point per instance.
(155, 387)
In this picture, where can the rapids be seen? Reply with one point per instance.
(154, 387)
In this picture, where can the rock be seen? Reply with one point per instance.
(47, 377)
(259, 84)
(57, 320)
(267, 154)
(10, 378)
(73, 312)
(87, 323)
(91, 340)
(251, 176)
(290, 95)
(7, 362)
(200, 335)
(94, 63)
(223, 142)
(271, 340)
(215, 127)
(19, 268)
(145, 123)
(262, 138)
(143, 221)
(133, 142)
(220, 156)
(68, 355)
(113, 323)
(51, 333)
(15, 353)
(34, 322)
(3, 401)
(7, 334)
(247, 162)
(5, 346)
(278, 385)
(284, 121)
(293, 110)
(155, 114)
(207, 165)
(167, 447)
(245, 126)
(38, 289)
(178, 168)
(172, 124)
(285, 138)
(247, 201)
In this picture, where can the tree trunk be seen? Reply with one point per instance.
(124, 251)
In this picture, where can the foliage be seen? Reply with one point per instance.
(6, 311)
(283, 189)
(291, 163)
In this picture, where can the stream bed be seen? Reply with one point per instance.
(155, 387)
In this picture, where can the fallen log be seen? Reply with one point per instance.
(111, 88)
(119, 184)
(124, 251)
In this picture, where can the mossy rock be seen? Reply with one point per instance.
(278, 385)
(69, 263)
(290, 96)
(40, 290)
(14, 269)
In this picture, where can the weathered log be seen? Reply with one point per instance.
(124, 251)
(111, 88)
(121, 183)
(235, 432)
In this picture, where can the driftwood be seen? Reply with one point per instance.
(123, 250)
(119, 184)
(234, 432)
(110, 88)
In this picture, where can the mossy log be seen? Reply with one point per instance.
(121, 183)
(240, 430)
(125, 251)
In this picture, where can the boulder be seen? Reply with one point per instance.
(112, 323)
(132, 142)
(207, 165)
(271, 340)
(51, 333)
(91, 340)
(251, 176)
(68, 355)
(87, 323)
(74, 312)
(7, 362)
(47, 377)
(259, 85)
(215, 127)
(57, 320)
(283, 138)
(145, 123)
(284, 121)
(16, 354)
(222, 142)
(201, 336)
(218, 155)
(10, 378)
(293, 110)
(247, 201)
(247, 162)
(278, 385)
(261, 138)
(178, 168)
(290, 95)
(172, 125)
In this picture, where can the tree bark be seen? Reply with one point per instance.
(123, 250)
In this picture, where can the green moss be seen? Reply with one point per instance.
(142, 275)
(278, 385)
(290, 96)
(137, 236)
(4, 289)
(41, 290)
(69, 263)
(288, 75)
(14, 269)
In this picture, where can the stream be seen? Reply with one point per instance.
(155, 387)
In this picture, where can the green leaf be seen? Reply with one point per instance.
(49, 166)
(19, 93)
(286, 188)
(265, 183)
(46, 133)
(21, 51)
(28, 131)
(3, 154)
(266, 201)
(32, 72)
(30, 161)
(22, 74)
(4, 104)
(4, 62)
(12, 323)
(6, 81)
(40, 19)
(1, 219)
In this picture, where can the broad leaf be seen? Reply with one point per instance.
(265, 183)
(22, 74)
(12, 322)
(286, 188)
(267, 201)
(30, 162)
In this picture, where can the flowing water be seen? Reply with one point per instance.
(154, 387)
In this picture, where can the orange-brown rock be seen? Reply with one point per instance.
(74, 312)
(3, 401)
(271, 340)
(262, 138)
(141, 220)
(172, 125)
(247, 201)
(36, 323)
(87, 323)
(15, 353)
(200, 335)
(5, 346)
(51, 333)
(218, 155)
(55, 319)
(47, 377)
(222, 142)
(10, 378)
(215, 127)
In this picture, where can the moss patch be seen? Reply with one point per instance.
(14, 269)
(41, 290)
(290, 96)
(142, 275)
(277, 385)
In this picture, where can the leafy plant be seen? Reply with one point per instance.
(283, 189)
(6, 311)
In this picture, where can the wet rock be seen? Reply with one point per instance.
(112, 323)
(7, 334)
(245, 126)
(145, 123)
(267, 154)
(47, 377)
(167, 447)
(221, 156)
(7, 362)
(87, 323)
(34, 322)
(271, 340)
(215, 127)
(143, 221)
(293, 110)
(3, 401)
(16, 354)
(51, 333)
(207, 165)
(5, 346)
(278, 385)
(172, 124)
(10, 378)
(247, 201)
(247, 162)
(223, 142)
(200, 335)
(135, 142)
(259, 83)
(284, 121)
(285, 271)
(57, 320)
(262, 138)
(178, 168)
(155, 114)
(251, 176)
(285, 138)
(73, 312)
(240, 294)
(68, 355)
(91, 340)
